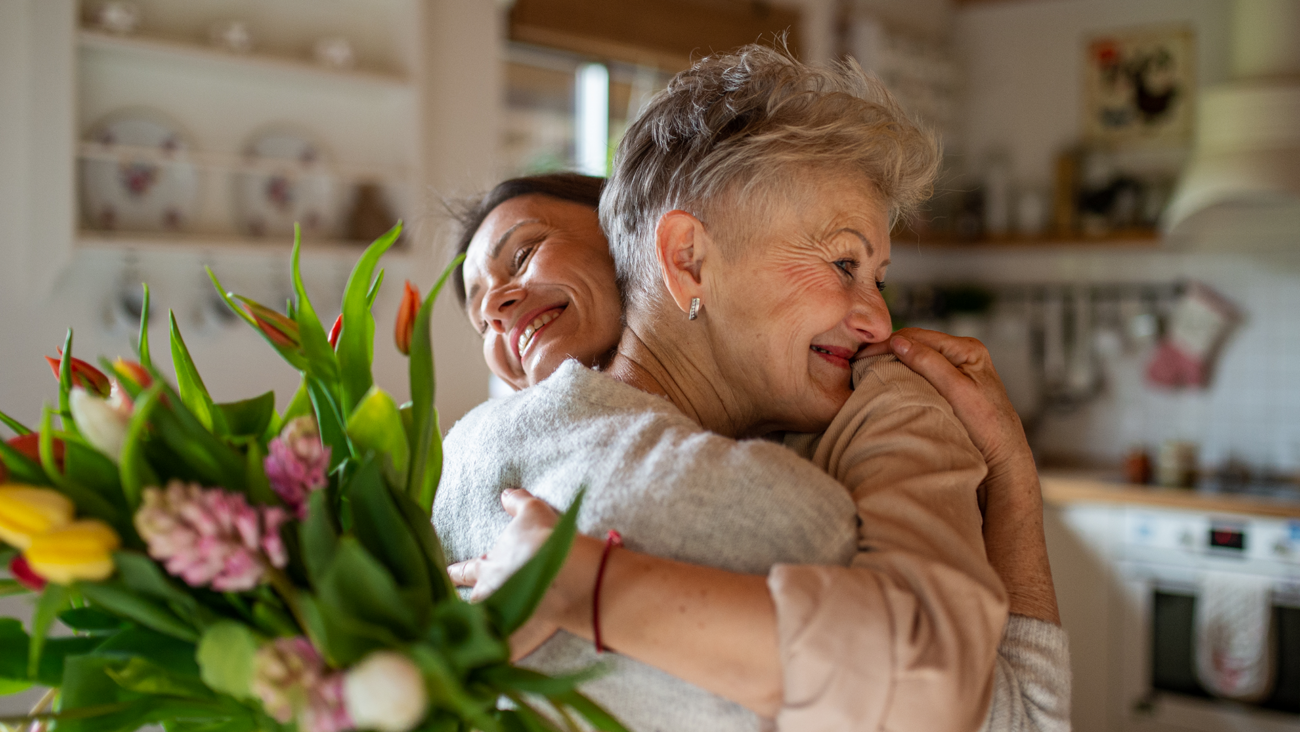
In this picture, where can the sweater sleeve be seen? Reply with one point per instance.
(906, 637)
(1032, 693)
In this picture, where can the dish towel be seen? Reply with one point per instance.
(1235, 647)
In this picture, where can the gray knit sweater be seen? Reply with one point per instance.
(675, 490)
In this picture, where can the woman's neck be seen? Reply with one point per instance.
(692, 386)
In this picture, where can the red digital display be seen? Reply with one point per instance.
(1227, 538)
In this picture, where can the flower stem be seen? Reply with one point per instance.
(285, 588)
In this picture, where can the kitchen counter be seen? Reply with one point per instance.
(1061, 488)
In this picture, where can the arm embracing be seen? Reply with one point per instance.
(921, 570)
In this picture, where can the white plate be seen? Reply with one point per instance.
(291, 183)
(139, 191)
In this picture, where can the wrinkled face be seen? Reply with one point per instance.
(540, 288)
(791, 307)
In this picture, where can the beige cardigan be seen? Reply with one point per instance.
(903, 638)
(920, 591)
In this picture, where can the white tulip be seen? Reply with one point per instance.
(385, 692)
(102, 422)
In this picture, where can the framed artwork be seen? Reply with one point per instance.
(1140, 86)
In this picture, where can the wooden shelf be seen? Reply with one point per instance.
(161, 48)
(229, 163)
(1064, 488)
(1135, 239)
(173, 242)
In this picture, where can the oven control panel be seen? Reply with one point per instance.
(1171, 535)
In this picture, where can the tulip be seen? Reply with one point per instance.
(102, 422)
(30, 446)
(406, 313)
(296, 463)
(138, 374)
(280, 329)
(335, 330)
(27, 512)
(83, 375)
(385, 692)
(20, 570)
(211, 537)
(82, 550)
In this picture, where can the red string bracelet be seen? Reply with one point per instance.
(612, 539)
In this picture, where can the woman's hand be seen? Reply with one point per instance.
(529, 528)
(962, 372)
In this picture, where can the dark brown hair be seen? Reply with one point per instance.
(573, 187)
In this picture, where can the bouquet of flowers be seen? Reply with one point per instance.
(224, 567)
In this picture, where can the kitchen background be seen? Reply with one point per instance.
(1045, 238)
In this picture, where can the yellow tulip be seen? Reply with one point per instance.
(82, 550)
(27, 512)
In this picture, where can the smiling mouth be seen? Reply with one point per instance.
(541, 321)
(837, 356)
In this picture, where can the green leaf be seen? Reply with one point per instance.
(142, 574)
(65, 385)
(193, 393)
(86, 466)
(446, 690)
(54, 600)
(18, 427)
(88, 502)
(55, 655)
(344, 638)
(144, 677)
(330, 422)
(89, 620)
(299, 406)
(259, 486)
(170, 653)
(274, 621)
(129, 604)
(359, 586)
(22, 469)
(426, 452)
(14, 645)
(356, 341)
(321, 362)
(505, 677)
(11, 587)
(374, 291)
(9, 686)
(319, 537)
(591, 711)
(249, 417)
(465, 634)
(215, 461)
(517, 598)
(136, 473)
(226, 658)
(377, 425)
(378, 524)
(418, 523)
(146, 359)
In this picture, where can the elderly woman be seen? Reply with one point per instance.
(750, 368)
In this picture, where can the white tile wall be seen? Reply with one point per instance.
(1251, 409)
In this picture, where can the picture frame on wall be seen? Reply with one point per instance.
(1140, 86)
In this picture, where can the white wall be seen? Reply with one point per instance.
(1024, 78)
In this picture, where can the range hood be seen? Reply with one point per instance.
(1245, 165)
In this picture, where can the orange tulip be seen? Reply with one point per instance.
(280, 329)
(406, 313)
(84, 375)
(335, 330)
(135, 372)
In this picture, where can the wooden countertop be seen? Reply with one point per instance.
(1061, 488)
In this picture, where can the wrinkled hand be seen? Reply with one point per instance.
(962, 371)
(529, 528)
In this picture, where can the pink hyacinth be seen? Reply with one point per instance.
(211, 537)
(292, 681)
(297, 463)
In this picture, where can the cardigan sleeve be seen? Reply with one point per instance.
(1032, 693)
(906, 637)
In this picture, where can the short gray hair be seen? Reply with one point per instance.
(734, 128)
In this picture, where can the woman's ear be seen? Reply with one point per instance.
(681, 244)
